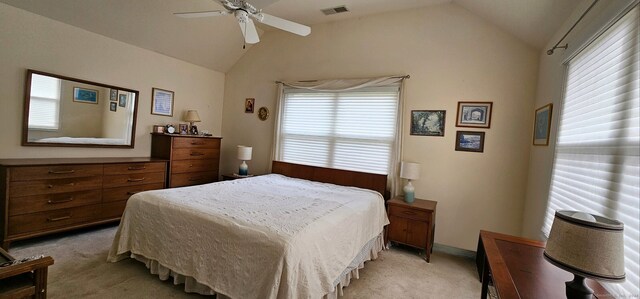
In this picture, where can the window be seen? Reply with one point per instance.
(44, 109)
(353, 130)
(596, 165)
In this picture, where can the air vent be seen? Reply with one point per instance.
(335, 10)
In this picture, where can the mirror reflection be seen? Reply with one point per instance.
(73, 112)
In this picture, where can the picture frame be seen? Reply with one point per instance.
(162, 102)
(428, 122)
(85, 95)
(113, 106)
(249, 104)
(470, 141)
(542, 125)
(113, 95)
(474, 114)
(122, 100)
(183, 129)
(263, 113)
(158, 129)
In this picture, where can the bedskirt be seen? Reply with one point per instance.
(191, 285)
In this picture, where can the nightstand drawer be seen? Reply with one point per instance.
(409, 213)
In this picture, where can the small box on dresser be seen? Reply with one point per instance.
(412, 224)
(193, 159)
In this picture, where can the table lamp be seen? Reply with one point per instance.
(409, 171)
(587, 246)
(192, 117)
(244, 154)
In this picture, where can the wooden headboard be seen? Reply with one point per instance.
(371, 181)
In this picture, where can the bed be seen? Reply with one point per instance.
(300, 232)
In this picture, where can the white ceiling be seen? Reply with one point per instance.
(216, 42)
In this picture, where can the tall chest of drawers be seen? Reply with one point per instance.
(42, 196)
(193, 160)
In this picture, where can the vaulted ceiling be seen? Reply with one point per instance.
(216, 42)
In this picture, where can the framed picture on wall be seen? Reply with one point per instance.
(161, 102)
(248, 105)
(113, 95)
(542, 125)
(469, 141)
(122, 100)
(85, 95)
(474, 114)
(113, 106)
(428, 122)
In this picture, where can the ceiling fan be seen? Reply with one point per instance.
(244, 12)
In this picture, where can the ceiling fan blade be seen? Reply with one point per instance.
(201, 14)
(249, 31)
(283, 24)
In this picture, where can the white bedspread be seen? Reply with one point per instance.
(262, 237)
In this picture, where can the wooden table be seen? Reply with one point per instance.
(24, 280)
(412, 224)
(517, 268)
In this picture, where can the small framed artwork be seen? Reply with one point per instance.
(469, 141)
(542, 125)
(183, 129)
(122, 100)
(474, 114)
(161, 102)
(158, 129)
(113, 95)
(248, 105)
(85, 95)
(263, 113)
(428, 122)
(113, 106)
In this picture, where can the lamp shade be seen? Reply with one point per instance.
(587, 245)
(192, 116)
(244, 152)
(410, 171)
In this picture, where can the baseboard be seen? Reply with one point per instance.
(454, 251)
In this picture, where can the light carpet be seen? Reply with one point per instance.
(81, 270)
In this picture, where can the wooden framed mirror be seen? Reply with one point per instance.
(65, 111)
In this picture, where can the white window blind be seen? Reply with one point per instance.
(596, 166)
(353, 130)
(44, 106)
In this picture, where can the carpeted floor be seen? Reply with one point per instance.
(81, 271)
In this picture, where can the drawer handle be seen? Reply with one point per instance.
(135, 180)
(59, 218)
(409, 212)
(137, 168)
(53, 202)
(62, 171)
(197, 154)
(195, 179)
(70, 184)
(197, 143)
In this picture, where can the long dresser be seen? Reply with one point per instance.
(193, 160)
(43, 196)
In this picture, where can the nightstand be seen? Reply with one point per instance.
(412, 224)
(231, 177)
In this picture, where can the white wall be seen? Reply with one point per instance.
(30, 41)
(551, 78)
(451, 55)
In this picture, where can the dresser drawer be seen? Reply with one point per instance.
(195, 142)
(409, 213)
(182, 166)
(123, 193)
(54, 172)
(43, 221)
(48, 202)
(120, 180)
(113, 209)
(196, 154)
(25, 188)
(193, 178)
(134, 168)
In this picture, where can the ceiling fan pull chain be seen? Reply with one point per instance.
(244, 40)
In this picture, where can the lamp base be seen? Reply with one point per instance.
(408, 192)
(578, 289)
(244, 169)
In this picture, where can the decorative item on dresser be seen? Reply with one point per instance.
(244, 154)
(192, 116)
(409, 171)
(412, 224)
(42, 196)
(192, 159)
